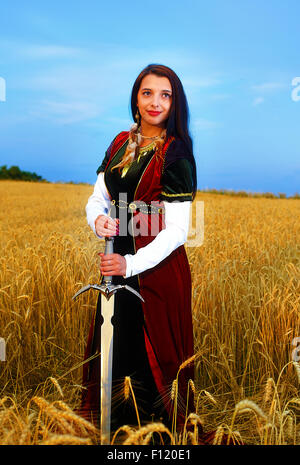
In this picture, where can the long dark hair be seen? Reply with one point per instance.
(178, 120)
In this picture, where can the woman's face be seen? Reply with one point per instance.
(154, 100)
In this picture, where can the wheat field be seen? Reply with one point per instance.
(246, 297)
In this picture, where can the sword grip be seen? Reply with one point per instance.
(109, 248)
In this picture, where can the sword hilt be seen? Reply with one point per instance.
(106, 287)
(109, 248)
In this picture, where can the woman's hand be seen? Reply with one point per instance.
(106, 226)
(112, 264)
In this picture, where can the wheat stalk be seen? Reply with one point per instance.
(268, 389)
(174, 389)
(195, 420)
(248, 405)
(76, 419)
(64, 419)
(192, 385)
(126, 387)
(193, 439)
(243, 406)
(136, 436)
(65, 439)
(56, 384)
(187, 362)
(218, 435)
(126, 428)
(210, 396)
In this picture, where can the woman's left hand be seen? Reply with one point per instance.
(112, 264)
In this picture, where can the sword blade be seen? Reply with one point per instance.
(107, 290)
(107, 311)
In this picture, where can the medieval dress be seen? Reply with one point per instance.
(151, 338)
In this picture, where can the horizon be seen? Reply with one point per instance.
(238, 193)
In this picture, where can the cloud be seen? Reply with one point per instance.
(98, 80)
(268, 87)
(119, 121)
(49, 51)
(78, 83)
(258, 101)
(195, 82)
(65, 113)
(202, 124)
(103, 65)
(16, 49)
(217, 97)
(264, 89)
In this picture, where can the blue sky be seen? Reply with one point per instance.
(69, 67)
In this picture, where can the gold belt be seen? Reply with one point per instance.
(143, 207)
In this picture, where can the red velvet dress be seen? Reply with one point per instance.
(151, 339)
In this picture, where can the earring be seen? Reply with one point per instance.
(137, 117)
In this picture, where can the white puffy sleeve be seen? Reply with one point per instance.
(98, 202)
(177, 217)
(176, 197)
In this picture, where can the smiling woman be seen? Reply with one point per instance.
(152, 164)
(154, 103)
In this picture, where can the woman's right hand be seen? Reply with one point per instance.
(106, 226)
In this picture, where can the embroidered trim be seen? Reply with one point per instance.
(165, 154)
(175, 195)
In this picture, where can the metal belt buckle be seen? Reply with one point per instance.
(132, 206)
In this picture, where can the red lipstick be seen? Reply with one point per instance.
(154, 113)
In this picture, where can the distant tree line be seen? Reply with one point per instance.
(268, 195)
(14, 172)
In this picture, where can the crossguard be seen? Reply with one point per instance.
(107, 290)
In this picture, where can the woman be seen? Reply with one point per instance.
(151, 166)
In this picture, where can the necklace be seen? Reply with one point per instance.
(145, 147)
(143, 151)
(149, 137)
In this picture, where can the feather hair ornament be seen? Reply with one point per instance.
(133, 148)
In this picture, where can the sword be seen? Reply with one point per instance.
(107, 290)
